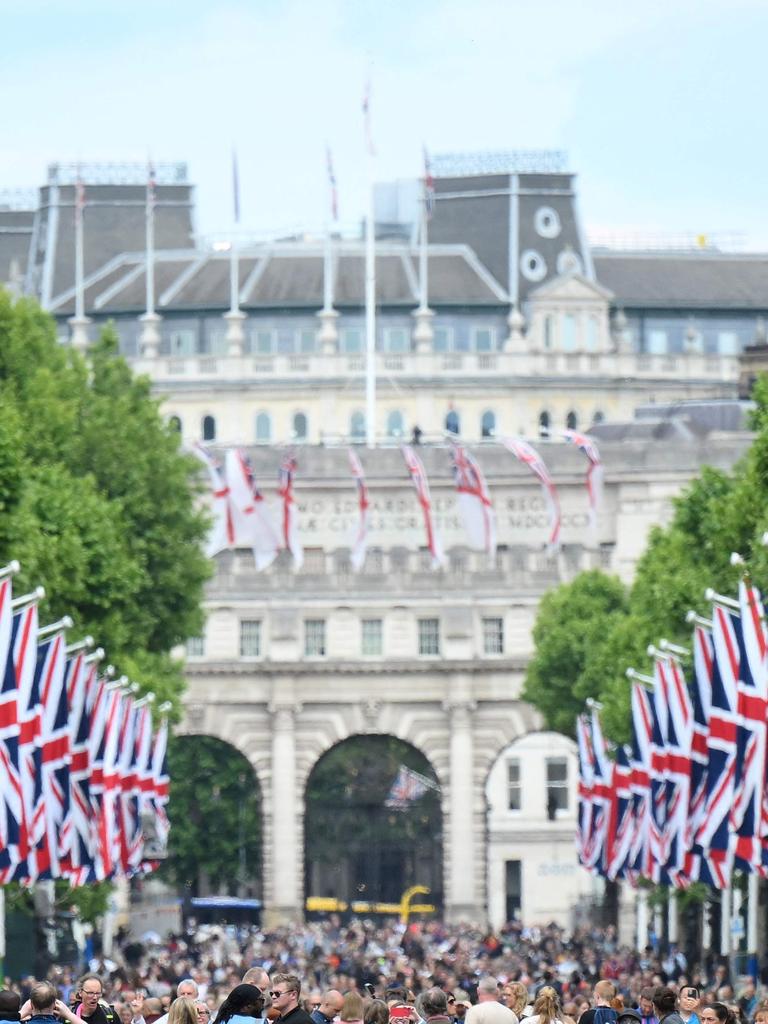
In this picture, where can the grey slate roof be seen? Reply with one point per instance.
(285, 276)
(683, 280)
(15, 237)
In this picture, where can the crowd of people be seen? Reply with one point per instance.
(364, 973)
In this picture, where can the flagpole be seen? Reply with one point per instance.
(235, 336)
(149, 340)
(423, 333)
(328, 334)
(79, 322)
(370, 293)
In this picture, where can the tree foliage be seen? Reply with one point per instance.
(212, 820)
(583, 649)
(96, 500)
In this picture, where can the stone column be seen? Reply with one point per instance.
(149, 338)
(235, 336)
(461, 898)
(79, 337)
(286, 846)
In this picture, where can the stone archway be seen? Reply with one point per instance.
(357, 845)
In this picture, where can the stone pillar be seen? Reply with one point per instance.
(328, 333)
(284, 905)
(423, 332)
(461, 897)
(79, 337)
(235, 336)
(515, 341)
(149, 339)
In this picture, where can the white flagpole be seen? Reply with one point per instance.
(423, 282)
(235, 336)
(370, 294)
(150, 240)
(79, 248)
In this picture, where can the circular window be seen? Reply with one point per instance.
(532, 265)
(568, 262)
(547, 222)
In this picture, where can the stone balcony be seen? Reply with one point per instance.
(490, 366)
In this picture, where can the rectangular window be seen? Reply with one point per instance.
(182, 343)
(442, 339)
(195, 647)
(429, 637)
(557, 786)
(217, 343)
(372, 638)
(514, 786)
(351, 340)
(484, 339)
(250, 638)
(657, 342)
(396, 339)
(493, 636)
(569, 332)
(306, 340)
(314, 560)
(264, 342)
(314, 638)
(728, 343)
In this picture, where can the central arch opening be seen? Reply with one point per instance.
(373, 824)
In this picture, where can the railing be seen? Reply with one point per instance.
(497, 365)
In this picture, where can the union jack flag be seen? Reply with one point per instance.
(621, 820)
(475, 503)
(24, 654)
(421, 486)
(527, 453)
(643, 715)
(602, 795)
(584, 828)
(701, 695)
(714, 832)
(161, 781)
(407, 787)
(359, 547)
(54, 824)
(747, 810)
(11, 806)
(679, 737)
(586, 445)
(81, 680)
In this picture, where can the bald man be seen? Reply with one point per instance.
(330, 1006)
(255, 976)
(488, 1009)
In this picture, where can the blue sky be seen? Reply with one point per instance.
(660, 106)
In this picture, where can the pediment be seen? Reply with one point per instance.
(573, 288)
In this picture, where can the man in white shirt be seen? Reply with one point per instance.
(488, 1009)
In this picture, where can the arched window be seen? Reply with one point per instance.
(174, 422)
(357, 426)
(488, 424)
(263, 427)
(395, 424)
(209, 428)
(452, 422)
(571, 421)
(299, 426)
(544, 424)
(599, 416)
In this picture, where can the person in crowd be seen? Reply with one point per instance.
(331, 1005)
(352, 1008)
(182, 1011)
(10, 1004)
(186, 989)
(760, 1017)
(378, 1012)
(514, 994)
(44, 1006)
(665, 1005)
(243, 1005)
(458, 1004)
(602, 1012)
(546, 1007)
(488, 1009)
(90, 1005)
(434, 1006)
(645, 1006)
(203, 1011)
(286, 993)
(688, 1004)
(716, 1013)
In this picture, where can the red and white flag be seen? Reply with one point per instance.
(594, 473)
(359, 546)
(11, 808)
(252, 525)
(527, 453)
(474, 499)
(290, 528)
(421, 485)
(222, 535)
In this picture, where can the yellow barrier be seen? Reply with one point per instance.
(330, 905)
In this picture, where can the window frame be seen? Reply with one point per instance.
(515, 785)
(488, 637)
(251, 655)
(320, 626)
(425, 624)
(378, 652)
(561, 786)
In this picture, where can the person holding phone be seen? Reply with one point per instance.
(688, 1004)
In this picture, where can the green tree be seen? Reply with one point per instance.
(215, 816)
(571, 622)
(96, 499)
